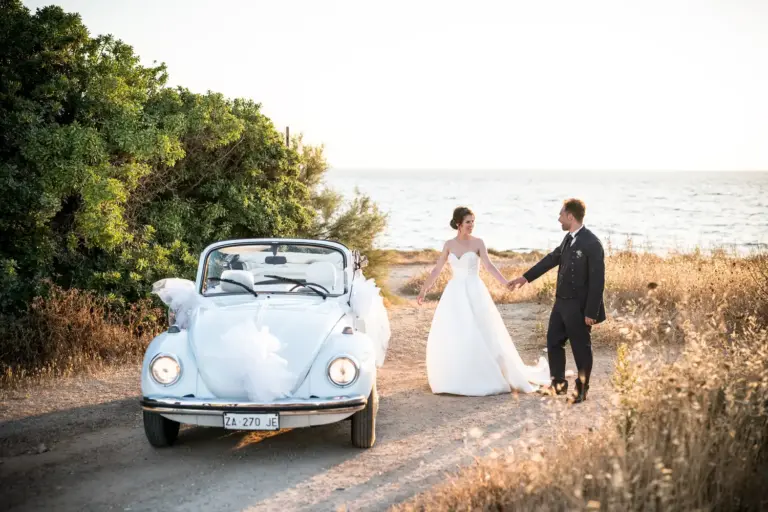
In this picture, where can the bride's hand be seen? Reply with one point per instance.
(420, 298)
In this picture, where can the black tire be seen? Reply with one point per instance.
(364, 422)
(160, 431)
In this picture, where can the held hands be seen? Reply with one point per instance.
(516, 283)
(589, 321)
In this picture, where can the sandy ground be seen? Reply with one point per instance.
(78, 444)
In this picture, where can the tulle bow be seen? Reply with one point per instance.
(368, 306)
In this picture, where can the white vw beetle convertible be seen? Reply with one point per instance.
(273, 334)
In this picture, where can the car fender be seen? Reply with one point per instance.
(176, 345)
(357, 346)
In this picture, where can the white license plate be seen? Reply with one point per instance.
(237, 421)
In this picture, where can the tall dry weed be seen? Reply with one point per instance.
(71, 330)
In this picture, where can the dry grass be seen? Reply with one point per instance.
(693, 281)
(687, 435)
(420, 257)
(653, 298)
(517, 257)
(379, 262)
(71, 331)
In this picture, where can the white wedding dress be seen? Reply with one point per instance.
(469, 350)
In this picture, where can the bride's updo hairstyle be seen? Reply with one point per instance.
(459, 214)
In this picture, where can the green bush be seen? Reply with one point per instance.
(111, 180)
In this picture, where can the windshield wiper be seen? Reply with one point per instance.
(230, 281)
(305, 284)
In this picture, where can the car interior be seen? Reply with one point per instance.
(250, 267)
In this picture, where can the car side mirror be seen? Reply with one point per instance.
(171, 317)
(359, 260)
(172, 327)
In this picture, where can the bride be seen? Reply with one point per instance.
(469, 351)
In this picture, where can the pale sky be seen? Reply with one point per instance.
(570, 84)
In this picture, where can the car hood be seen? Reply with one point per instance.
(223, 341)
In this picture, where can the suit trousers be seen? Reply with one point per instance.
(566, 323)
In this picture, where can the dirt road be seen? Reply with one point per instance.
(95, 455)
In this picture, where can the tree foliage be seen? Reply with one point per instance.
(111, 180)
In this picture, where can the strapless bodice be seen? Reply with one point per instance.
(466, 265)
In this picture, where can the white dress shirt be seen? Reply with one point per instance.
(575, 233)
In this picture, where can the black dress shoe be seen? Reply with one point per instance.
(581, 393)
(557, 388)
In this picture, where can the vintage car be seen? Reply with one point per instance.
(273, 334)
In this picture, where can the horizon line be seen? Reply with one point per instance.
(516, 169)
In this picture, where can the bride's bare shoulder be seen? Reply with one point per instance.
(478, 245)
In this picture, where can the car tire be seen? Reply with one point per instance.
(160, 431)
(364, 422)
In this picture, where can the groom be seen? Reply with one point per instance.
(578, 297)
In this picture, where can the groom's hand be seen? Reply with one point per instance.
(515, 283)
(589, 321)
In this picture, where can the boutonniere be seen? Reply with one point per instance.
(579, 253)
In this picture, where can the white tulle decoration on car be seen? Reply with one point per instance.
(368, 305)
(254, 353)
(182, 298)
(235, 356)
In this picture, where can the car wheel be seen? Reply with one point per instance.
(160, 431)
(364, 422)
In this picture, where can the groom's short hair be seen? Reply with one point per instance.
(575, 207)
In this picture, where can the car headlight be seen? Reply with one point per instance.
(343, 371)
(165, 369)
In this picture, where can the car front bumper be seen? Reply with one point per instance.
(286, 407)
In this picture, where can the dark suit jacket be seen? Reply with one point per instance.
(581, 273)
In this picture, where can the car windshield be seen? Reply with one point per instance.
(295, 268)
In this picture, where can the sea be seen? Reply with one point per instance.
(659, 212)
